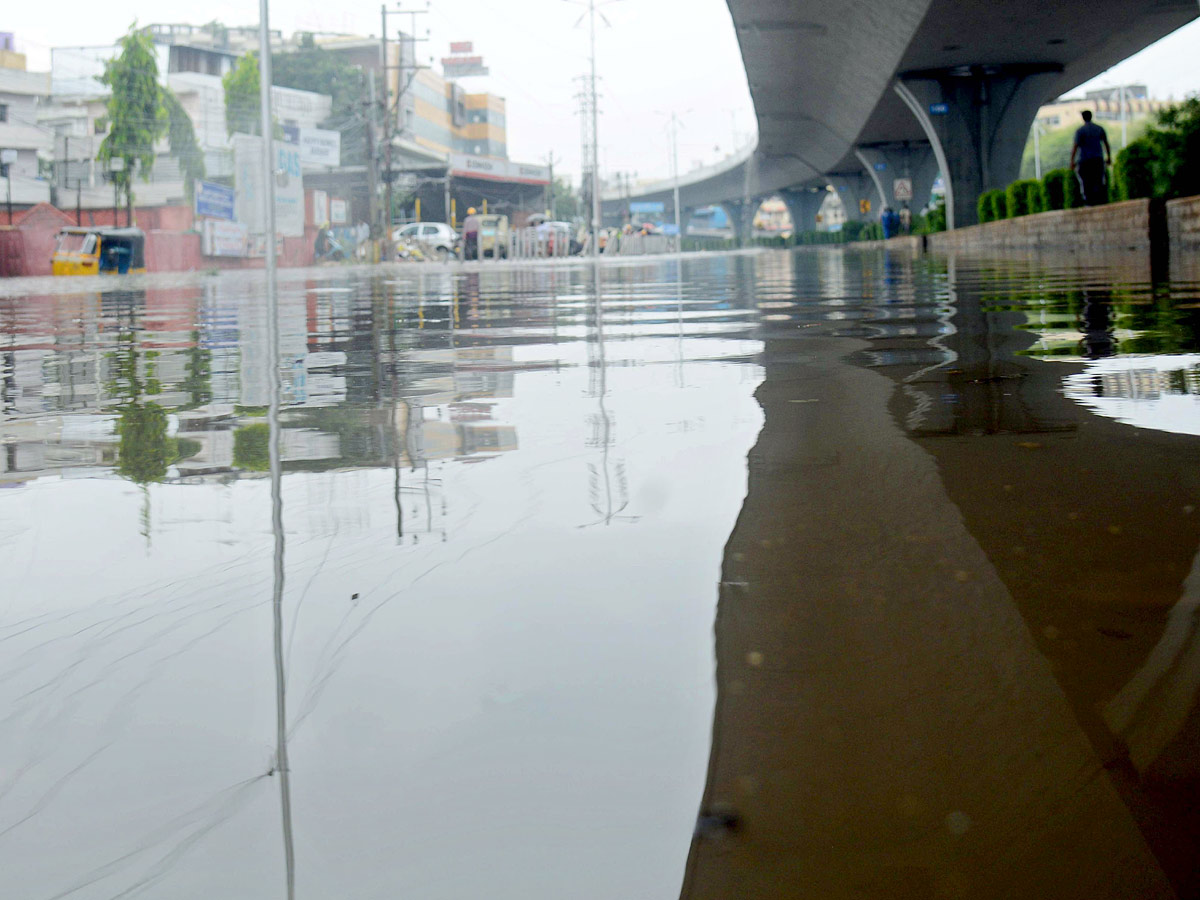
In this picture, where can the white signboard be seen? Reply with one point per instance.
(250, 200)
(221, 238)
(320, 148)
(338, 212)
(902, 190)
(484, 167)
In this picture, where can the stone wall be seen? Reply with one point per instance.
(1183, 223)
(1117, 226)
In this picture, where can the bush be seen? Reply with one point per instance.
(934, 220)
(993, 206)
(1023, 198)
(1060, 190)
(1175, 142)
(1133, 171)
(852, 229)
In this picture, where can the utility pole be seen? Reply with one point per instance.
(372, 155)
(268, 161)
(595, 134)
(1124, 121)
(390, 108)
(550, 188)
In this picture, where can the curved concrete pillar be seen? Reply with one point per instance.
(980, 116)
(803, 205)
(852, 188)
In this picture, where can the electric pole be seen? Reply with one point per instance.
(390, 108)
(595, 110)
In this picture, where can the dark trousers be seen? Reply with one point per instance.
(1093, 181)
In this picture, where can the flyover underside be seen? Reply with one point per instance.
(822, 79)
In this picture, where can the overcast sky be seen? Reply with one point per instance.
(657, 56)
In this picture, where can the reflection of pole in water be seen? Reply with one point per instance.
(276, 464)
(607, 508)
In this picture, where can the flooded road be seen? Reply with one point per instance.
(941, 517)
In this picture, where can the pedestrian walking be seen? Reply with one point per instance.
(1090, 158)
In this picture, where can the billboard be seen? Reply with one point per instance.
(214, 200)
(463, 66)
(250, 196)
(489, 169)
(462, 47)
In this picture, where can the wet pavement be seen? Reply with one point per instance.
(884, 565)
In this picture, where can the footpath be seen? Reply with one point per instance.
(1170, 227)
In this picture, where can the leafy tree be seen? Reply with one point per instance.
(135, 111)
(182, 140)
(243, 105)
(251, 447)
(312, 68)
(566, 201)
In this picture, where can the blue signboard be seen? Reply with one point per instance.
(646, 207)
(939, 109)
(879, 167)
(214, 200)
(291, 134)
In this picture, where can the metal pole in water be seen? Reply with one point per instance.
(273, 446)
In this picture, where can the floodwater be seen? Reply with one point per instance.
(885, 566)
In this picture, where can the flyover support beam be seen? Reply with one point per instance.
(913, 162)
(980, 118)
(803, 204)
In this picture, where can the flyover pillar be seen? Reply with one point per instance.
(910, 160)
(853, 188)
(978, 118)
(803, 204)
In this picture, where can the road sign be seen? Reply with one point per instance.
(902, 190)
(880, 167)
(939, 109)
(864, 206)
(214, 200)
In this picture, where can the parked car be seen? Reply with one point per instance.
(485, 236)
(439, 239)
(557, 238)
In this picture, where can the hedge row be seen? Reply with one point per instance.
(1058, 190)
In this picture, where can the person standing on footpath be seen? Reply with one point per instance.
(1090, 158)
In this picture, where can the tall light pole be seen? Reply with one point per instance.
(673, 124)
(1037, 149)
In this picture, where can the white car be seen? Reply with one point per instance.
(437, 237)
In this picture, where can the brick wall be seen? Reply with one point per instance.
(1117, 226)
(1183, 223)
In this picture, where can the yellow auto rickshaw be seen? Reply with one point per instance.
(485, 236)
(99, 251)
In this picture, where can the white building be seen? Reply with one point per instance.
(21, 95)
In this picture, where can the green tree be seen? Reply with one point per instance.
(243, 106)
(311, 68)
(135, 112)
(181, 138)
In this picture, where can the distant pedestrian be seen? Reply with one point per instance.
(889, 220)
(1090, 158)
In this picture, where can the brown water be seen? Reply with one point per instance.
(955, 617)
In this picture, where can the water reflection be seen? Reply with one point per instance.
(948, 508)
(456, 649)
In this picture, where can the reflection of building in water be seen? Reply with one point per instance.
(1159, 392)
(200, 356)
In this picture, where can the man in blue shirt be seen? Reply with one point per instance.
(1090, 158)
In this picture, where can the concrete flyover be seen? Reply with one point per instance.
(857, 93)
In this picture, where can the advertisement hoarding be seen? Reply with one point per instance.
(221, 238)
(250, 197)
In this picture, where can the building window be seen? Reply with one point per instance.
(3, 112)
